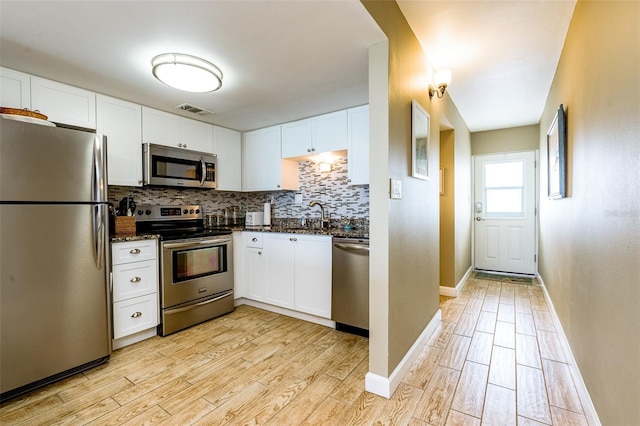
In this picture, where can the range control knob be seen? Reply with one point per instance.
(185, 211)
(191, 211)
(197, 211)
(140, 212)
(148, 212)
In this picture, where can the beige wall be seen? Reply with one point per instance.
(590, 241)
(405, 287)
(455, 204)
(525, 138)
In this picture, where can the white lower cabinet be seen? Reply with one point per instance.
(298, 272)
(135, 291)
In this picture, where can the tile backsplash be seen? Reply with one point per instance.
(340, 200)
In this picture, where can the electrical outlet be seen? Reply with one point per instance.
(298, 198)
(396, 189)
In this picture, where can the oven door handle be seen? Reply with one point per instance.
(195, 305)
(196, 243)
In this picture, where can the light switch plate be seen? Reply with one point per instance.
(298, 198)
(396, 189)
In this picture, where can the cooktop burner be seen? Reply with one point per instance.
(175, 222)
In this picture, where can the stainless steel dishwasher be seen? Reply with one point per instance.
(350, 285)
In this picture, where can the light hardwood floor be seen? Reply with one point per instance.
(495, 359)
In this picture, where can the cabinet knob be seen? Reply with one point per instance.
(134, 251)
(313, 149)
(182, 145)
(135, 279)
(278, 186)
(293, 239)
(136, 314)
(260, 253)
(308, 149)
(254, 239)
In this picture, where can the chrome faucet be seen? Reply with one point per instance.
(324, 223)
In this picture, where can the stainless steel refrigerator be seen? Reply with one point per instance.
(54, 259)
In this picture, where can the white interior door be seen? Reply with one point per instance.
(504, 212)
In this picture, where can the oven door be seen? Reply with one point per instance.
(195, 269)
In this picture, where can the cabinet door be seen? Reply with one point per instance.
(330, 132)
(134, 279)
(358, 150)
(121, 122)
(15, 89)
(313, 275)
(256, 274)
(261, 160)
(134, 315)
(64, 104)
(296, 139)
(160, 127)
(196, 135)
(280, 257)
(227, 145)
(239, 265)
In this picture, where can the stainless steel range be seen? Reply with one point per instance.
(196, 265)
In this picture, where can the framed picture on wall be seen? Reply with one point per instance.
(419, 141)
(556, 156)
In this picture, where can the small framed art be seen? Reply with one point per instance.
(419, 141)
(556, 156)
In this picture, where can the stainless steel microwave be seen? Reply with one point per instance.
(167, 166)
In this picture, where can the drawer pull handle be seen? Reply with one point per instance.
(136, 314)
(135, 279)
(134, 251)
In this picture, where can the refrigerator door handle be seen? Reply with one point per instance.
(98, 234)
(99, 181)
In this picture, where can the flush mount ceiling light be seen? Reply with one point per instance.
(186, 72)
(441, 80)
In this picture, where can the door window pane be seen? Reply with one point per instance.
(504, 200)
(504, 189)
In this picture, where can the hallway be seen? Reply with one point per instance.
(495, 359)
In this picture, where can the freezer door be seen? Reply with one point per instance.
(54, 299)
(40, 163)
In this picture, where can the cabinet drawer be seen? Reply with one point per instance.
(134, 315)
(134, 279)
(254, 239)
(133, 251)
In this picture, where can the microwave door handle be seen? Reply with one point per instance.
(203, 167)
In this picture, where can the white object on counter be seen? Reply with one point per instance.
(254, 219)
(266, 218)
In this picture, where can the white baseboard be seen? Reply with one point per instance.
(134, 338)
(455, 291)
(583, 393)
(384, 386)
(284, 311)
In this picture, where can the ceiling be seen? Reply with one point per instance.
(286, 60)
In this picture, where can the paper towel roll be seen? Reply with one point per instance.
(267, 214)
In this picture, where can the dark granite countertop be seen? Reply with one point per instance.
(128, 237)
(333, 232)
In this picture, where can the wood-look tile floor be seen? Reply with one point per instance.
(495, 359)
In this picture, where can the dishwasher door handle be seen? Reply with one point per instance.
(351, 247)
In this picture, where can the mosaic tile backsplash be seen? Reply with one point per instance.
(341, 201)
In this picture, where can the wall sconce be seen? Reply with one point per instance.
(441, 80)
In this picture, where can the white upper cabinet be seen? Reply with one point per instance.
(121, 122)
(323, 133)
(63, 104)
(15, 89)
(227, 145)
(358, 149)
(263, 168)
(162, 128)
